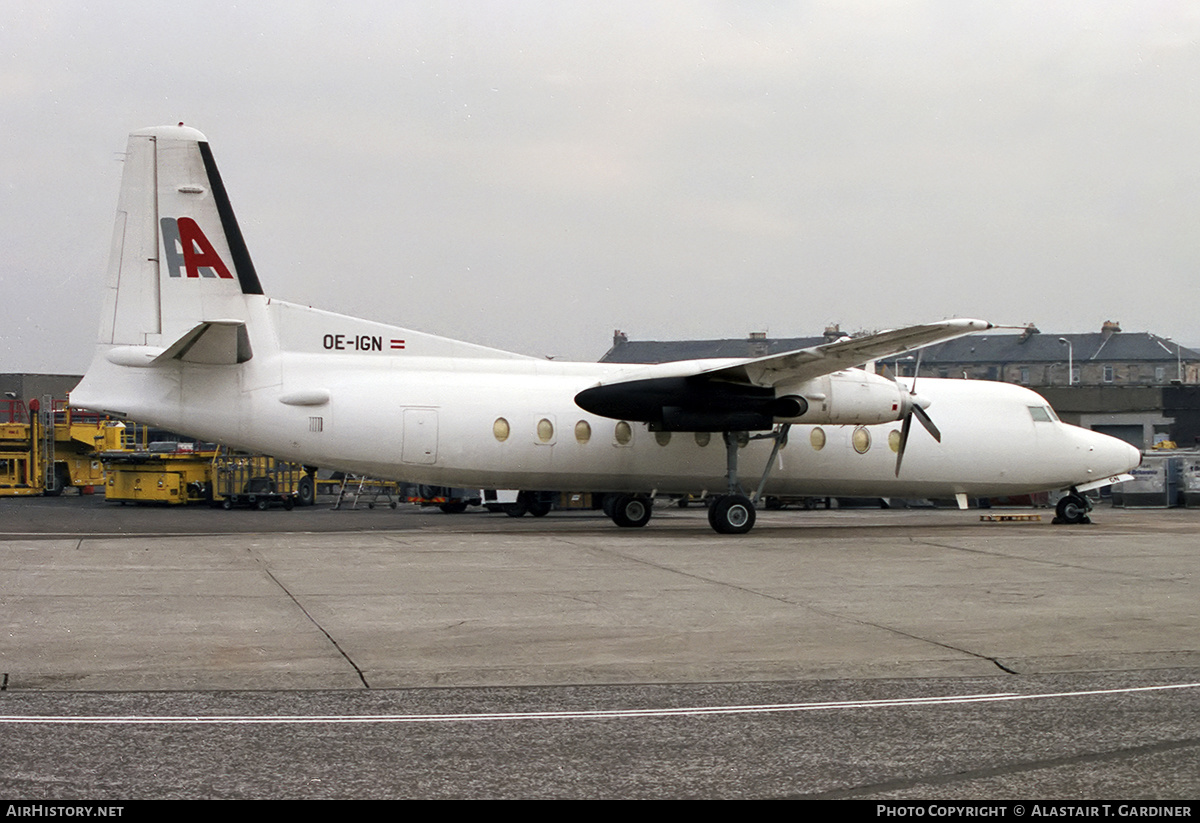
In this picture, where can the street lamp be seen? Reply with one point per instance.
(1178, 359)
(1070, 360)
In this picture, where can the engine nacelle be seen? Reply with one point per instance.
(852, 397)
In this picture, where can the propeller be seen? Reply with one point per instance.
(913, 406)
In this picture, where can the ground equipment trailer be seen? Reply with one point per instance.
(259, 482)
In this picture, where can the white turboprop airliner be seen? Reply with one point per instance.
(189, 342)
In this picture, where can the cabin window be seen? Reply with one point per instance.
(583, 431)
(861, 439)
(817, 438)
(545, 430)
(500, 429)
(703, 438)
(623, 433)
(894, 440)
(662, 438)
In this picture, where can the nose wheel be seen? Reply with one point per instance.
(1073, 509)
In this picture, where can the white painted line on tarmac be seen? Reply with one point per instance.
(597, 714)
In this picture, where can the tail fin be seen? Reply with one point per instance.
(178, 258)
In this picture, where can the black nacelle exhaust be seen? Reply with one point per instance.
(787, 408)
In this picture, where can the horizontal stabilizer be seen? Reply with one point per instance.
(213, 342)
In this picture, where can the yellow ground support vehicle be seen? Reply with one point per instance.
(179, 473)
(171, 473)
(46, 447)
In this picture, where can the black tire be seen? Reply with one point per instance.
(226, 504)
(632, 511)
(1072, 510)
(62, 479)
(262, 504)
(536, 503)
(731, 514)
(289, 503)
(306, 491)
(457, 507)
(515, 509)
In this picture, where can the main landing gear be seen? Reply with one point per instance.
(733, 512)
(729, 513)
(1073, 509)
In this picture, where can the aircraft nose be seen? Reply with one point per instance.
(1112, 456)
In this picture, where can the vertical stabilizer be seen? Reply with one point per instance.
(178, 257)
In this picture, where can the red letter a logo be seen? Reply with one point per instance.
(198, 253)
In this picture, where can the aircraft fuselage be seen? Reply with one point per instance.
(510, 423)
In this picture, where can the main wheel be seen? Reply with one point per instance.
(535, 503)
(1072, 510)
(305, 491)
(731, 514)
(632, 510)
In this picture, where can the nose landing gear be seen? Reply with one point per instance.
(1073, 509)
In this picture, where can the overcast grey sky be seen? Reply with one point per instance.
(532, 175)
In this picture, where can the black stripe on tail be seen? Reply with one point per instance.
(247, 277)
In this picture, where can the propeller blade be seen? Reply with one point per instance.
(913, 408)
(903, 441)
(926, 422)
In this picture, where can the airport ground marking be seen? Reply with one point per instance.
(593, 714)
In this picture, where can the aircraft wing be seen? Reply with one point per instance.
(699, 395)
(817, 361)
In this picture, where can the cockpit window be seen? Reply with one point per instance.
(1041, 414)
